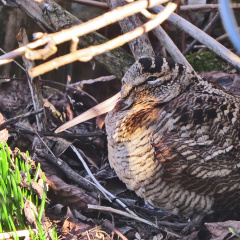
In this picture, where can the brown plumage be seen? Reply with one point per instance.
(173, 138)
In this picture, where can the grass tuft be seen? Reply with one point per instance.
(12, 194)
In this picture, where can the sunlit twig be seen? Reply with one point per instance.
(66, 35)
(88, 53)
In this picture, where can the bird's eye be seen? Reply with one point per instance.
(152, 79)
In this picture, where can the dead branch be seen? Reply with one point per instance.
(170, 46)
(20, 233)
(204, 7)
(70, 174)
(109, 209)
(88, 53)
(202, 37)
(91, 3)
(34, 84)
(81, 83)
(80, 30)
(106, 193)
(140, 46)
(54, 18)
(110, 225)
(206, 29)
(15, 119)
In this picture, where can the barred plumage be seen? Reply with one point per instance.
(173, 138)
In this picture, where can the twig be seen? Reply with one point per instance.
(91, 3)
(109, 225)
(109, 209)
(174, 225)
(204, 7)
(70, 87)
(15, 119)
(201, 37)
(52, 18)
(13, 61)
(45, 144)
(61, 135)
(224, 36)
(34, 84)
(87, 53)
(80, 30)
(91, 81)
(206, 29)
(20, 233)
(170, 46)
(129, 24)
(98, 184)
(70, 174)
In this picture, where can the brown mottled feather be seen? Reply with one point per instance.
(173, 138)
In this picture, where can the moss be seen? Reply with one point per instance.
(206, 61)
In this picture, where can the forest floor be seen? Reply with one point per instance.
(73, 202)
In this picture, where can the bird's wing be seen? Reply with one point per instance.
(201, 152)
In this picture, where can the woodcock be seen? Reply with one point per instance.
(173, 138)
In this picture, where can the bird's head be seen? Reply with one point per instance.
(148, 82)
(154, 81)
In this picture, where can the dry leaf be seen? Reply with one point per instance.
(68, 194)
(220, 230)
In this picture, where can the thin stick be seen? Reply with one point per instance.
(61, 135)
(109, 225)
(170, 46)
(204, 7)
(70, 174)
(34, 85)
(206, 29)
(202, 37)
(15, 119)
(109, 209)
(20, 233)
(129, 24)
(80, 30)
(91, 3)
(88, 53)
(102, 189)
(125, 214)
(14, 61)
(91, 81)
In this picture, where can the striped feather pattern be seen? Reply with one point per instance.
(173, 138)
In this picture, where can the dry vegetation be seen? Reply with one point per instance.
(34, 106)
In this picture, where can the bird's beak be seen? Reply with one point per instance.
(99, 109)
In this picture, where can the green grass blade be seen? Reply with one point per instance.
(36, 173)
(42, 206)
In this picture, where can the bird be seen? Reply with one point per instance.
(173, 138)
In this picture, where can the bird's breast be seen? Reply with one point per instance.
(130, 151)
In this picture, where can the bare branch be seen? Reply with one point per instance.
(83, 29)
(202, 37)
(20, 233)
(91, 3)
(204, 7)
(170, 46)
(34, 84)
(87, 53)
(109, 209)
(51, 17)
(206, 29)
(140, 46)
(106, 193)
(15, 119)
